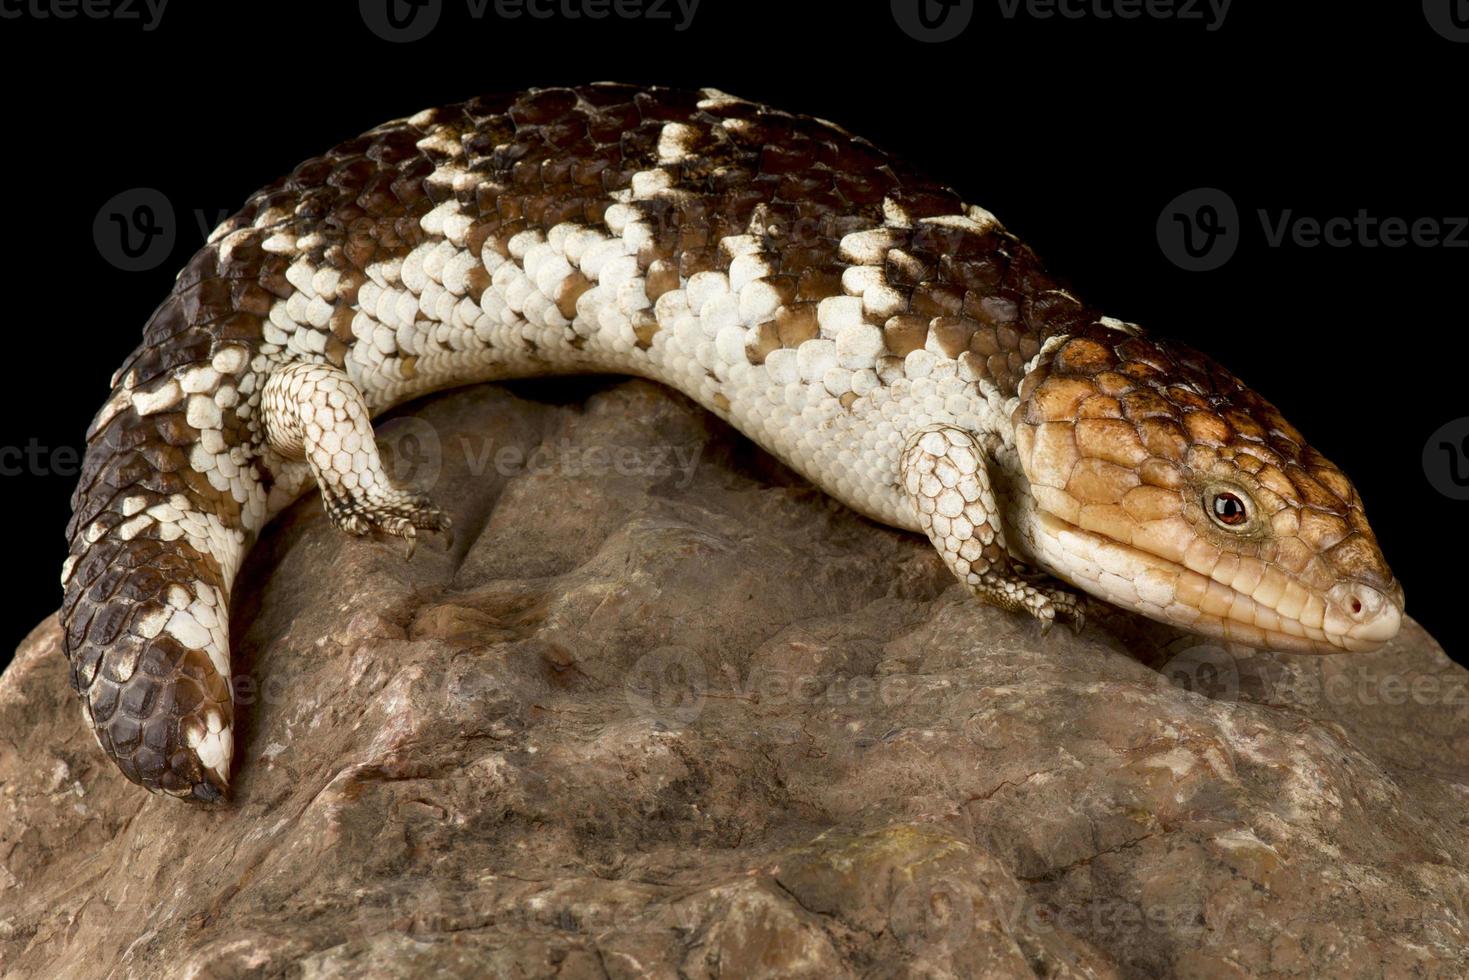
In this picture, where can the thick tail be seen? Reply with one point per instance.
(156, 537)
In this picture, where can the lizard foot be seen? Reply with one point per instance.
(945, 471)
(314, 412)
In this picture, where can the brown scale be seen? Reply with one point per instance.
(1187, 412)
(799, 185)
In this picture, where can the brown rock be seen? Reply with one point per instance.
(663, 710)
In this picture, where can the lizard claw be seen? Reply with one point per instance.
(1078, 621)
(1055, 605)
(1072, 608)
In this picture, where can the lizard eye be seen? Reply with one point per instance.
(1228, 510)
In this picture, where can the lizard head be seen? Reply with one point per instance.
(1162, 484)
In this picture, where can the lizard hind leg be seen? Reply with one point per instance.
(945, 472)
(315, 412)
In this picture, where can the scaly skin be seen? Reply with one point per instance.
(861, 322)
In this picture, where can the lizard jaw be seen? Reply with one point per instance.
(1351, 617)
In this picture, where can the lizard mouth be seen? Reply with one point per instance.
(1351, 617)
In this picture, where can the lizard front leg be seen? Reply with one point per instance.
(945, 472)
(315, 412)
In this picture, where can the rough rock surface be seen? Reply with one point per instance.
(655, 717)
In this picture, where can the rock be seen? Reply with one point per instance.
(664, 710)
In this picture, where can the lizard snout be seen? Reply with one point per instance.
(1364, 616)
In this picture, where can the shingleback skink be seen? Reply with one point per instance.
(861, 322)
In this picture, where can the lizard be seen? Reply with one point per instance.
(860, 321)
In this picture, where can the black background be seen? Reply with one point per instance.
(1077, 133)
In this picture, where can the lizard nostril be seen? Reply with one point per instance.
(1362, 612)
